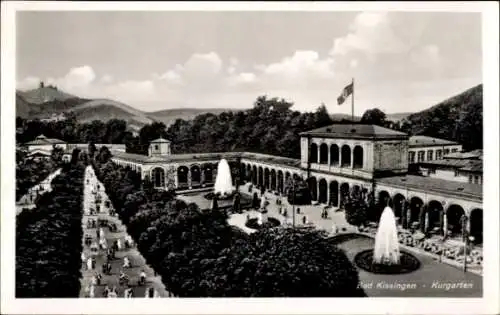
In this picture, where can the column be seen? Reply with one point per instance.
(270, 181)
(319, 156)
(328, 184)
(352, 158)
(202, 177)
(340, 156)
(189, 178)
(421, 218)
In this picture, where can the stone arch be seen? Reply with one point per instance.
(266, 178)
(182, 175)
(273, 179)
(384, 199)
(207, 173)
(158, 177)
(415, 210)
(356, 190)
(476, 225)
(323, 153)
(255, 175)
(454, 214)
(323, 191)
(249, 173)
(334, 154)
(313, 187)
(344, 193)
(260, 179)
(398, 206)
(195, 175)
(434, 216)
(243, 172)
(334, 193)
(314, 153)
(281, 184)
(346, 156)
(358, 158)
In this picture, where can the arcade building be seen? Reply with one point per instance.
(335, 160)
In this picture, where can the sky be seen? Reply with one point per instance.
(400, 61)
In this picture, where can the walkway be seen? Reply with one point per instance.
(312, 212)
(93, 189)
(28, 200)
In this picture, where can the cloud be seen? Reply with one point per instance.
(28, 83)
(106, 79)
(384, 52)
(371, 33)
(301, 63)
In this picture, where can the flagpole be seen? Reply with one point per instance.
(352, 102)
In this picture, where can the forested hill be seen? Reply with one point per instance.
(459, 118)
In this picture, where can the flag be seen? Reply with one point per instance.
(345, 93)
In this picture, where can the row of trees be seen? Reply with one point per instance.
(198, 254)
(30, 172)
(49, 239)
(269, 127)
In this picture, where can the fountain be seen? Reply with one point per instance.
(223, 188)
(223, 181)
(386, 241)
(386, 257)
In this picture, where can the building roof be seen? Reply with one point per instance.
(160, 140)
(424, 141)
(432, 184)
(476, 154)
(474, 166)
(355, 131)
(144, 159)
(458, 164)
(43, 140)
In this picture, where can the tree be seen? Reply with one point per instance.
(356, 210)
(374, 117)
(281, 263)
(92, 149)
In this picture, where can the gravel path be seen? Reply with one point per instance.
(94, 189)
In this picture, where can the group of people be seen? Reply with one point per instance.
(98, 245)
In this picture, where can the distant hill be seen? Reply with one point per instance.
(43, 102)
(169, 116)
(459, 118)
(44, 94)
(105, 109)
(340, 117)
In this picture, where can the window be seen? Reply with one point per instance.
(411, 157)
(476, 179)
(456, 173)
(454, 150)
(439, 154)
(446, 151)
(156, 147)
(470, 179)
(430, 154)
(421, 156)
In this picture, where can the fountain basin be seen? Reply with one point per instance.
(254, 224)
(407, 263)
(227, 196)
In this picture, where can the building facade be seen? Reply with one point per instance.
(334, 160)
(425, 149)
